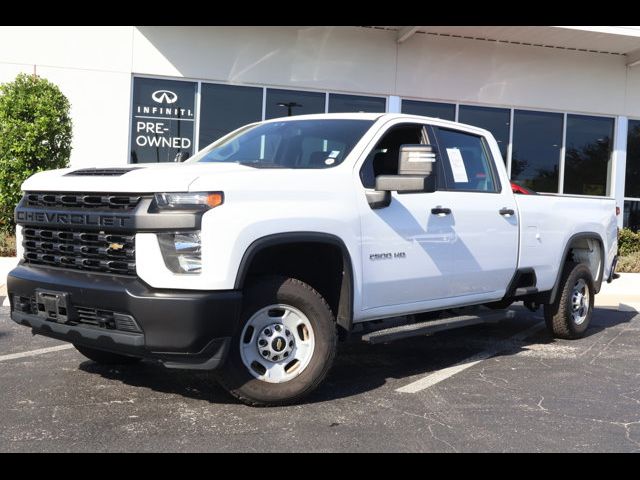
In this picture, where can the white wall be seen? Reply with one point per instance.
(511, 75)
(335, 58)
(92, 67)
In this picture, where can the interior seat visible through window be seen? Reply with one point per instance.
(383, 159)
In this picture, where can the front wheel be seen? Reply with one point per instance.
(284, 345)
(570, 314)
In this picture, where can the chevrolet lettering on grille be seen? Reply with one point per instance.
(63, 218)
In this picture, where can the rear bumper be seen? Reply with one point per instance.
(181, 328)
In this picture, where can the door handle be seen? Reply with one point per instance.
(440, 211)
(507, 211)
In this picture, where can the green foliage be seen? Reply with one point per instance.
(628, 242)
(35, 135)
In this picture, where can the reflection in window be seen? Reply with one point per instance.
(223, 108)
(287, 103)
(537, 139)
(632, 182)
(632, 215)
(355, 103)
(446, 111)
(496, 120)
(588, 154)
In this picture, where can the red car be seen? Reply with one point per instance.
(520, 189)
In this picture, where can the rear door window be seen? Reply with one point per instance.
(468, 165)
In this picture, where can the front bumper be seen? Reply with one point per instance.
(180, 328)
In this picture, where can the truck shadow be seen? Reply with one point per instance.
(361, 367)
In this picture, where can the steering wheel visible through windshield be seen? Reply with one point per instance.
(288, 144)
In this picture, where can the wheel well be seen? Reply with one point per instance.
(587, 250)
(324, 266)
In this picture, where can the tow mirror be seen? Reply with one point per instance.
(416, 171)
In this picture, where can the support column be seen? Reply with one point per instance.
(394, 104)
(619, 164)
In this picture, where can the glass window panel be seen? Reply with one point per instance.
(468, 166)
(588, 154)
(223, 108)
(631, 215)
(537, 140)
(339, 102)
(289, 144)
(496, 120)
(446, 111)
(163, 118)
(632, 180)
(285, 103)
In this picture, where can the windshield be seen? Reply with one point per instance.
(289, 144)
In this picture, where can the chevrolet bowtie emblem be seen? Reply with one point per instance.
(116, 246)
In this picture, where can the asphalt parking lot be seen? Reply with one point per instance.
(517, 390)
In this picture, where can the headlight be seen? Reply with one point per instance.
(181, 251)
(188, 200)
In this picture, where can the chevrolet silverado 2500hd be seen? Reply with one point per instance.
(254, 255)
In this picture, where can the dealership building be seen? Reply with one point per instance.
(562, 102)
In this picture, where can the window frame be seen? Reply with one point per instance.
(385, 129)
(497, 184)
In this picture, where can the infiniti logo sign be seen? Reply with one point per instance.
(164, 96)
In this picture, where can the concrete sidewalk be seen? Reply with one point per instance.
(623, 293)
(6, 265)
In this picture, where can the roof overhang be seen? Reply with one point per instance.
(596, 39)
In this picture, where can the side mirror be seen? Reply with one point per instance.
(416, 171)
(181, 156)
(406, 183)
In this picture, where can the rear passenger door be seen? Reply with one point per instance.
(483, 216)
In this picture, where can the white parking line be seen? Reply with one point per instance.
(440, 375)
(33, 353)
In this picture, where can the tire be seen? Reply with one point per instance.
(268, 302)
(562, 318)
(106, 358)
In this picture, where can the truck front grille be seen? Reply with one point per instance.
(102, 201)
(102, 252)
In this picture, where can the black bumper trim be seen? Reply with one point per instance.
(78, 333)
(182, 328)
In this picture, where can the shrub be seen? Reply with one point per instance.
(629, 263)
(35, 135)
(7, 245)
(628, 242)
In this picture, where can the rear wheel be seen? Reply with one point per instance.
(106, 358)
(570, 314)
(284, 346)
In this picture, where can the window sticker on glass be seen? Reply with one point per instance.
(334, 153)
(457, 166)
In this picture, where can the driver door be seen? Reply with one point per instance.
(406, 249)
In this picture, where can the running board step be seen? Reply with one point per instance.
(433, 326)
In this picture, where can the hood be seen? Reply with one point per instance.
(141, 178)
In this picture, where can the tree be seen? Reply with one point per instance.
(35, 135)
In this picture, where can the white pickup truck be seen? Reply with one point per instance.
(254, 256)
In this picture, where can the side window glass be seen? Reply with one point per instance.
(468, 164)
(383, 158)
